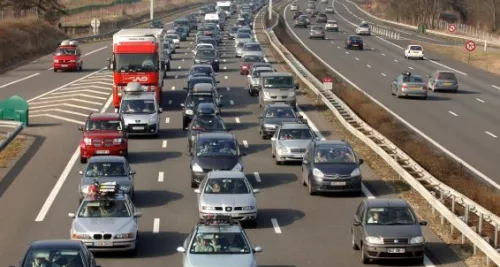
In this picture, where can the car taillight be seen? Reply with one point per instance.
(87, 141)
(72, 61)
(117, 141)
(404, 86)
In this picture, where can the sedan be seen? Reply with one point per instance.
(317, 32)
(414, 51)
(228, 193)
(329, 10)
(242, 38)
(205, 123)
(354, 41)
(409, 85)
(321, 18)
(175, 38)
(290, 141)
(332, 25)
(297, 14)
(294, 7)
(247, 61)
(208, 57)
(253, 49)
(274, 115)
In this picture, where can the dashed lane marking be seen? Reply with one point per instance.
(276, 226)
(164, 144)
(245, 143)
(237, 120)
(383, 74)
(480, 100)
(490, 134)
(167, 120)
(156, 225)
(368, 66)
(161, 176)
(231, 102)
(257, 177)
(453, 113)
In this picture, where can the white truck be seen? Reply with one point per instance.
(225, 6)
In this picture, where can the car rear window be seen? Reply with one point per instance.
(446, 76)
(416, 48)
(413, 79)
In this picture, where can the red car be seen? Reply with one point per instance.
(68, 57)
(103, 134)
(247, 62)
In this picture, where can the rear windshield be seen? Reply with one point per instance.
(416, 48)
(243, 36)
(412, 79)
(446, 76)
(364, 25)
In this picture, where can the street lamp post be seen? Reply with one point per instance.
(152, 9)
(270, 11)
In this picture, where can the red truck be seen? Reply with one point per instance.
(68, 56)
(138, 56)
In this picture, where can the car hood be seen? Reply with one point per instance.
(278, 120)
(253, 53)
(393, 231)
(294, 143)
(106, 225)
(236, 200)
(103, 134)
(120, 180)
(214, 260)
(137, 118)
(337, 168)
(217, 163)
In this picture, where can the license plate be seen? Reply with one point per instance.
(447, 84)
(396, 250)
(102, 152)
(338, 183)
(354, 45)
(103, 244)
(416, 87)
(138, 128)
(64, 65)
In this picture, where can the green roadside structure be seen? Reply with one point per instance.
(15, 108)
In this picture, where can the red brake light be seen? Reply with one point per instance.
(404, 86)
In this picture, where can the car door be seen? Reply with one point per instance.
(397, 83)
(274, 140)
(130, 173)
(358, 217)
(306, 163)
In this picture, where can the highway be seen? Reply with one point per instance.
(307, 231)
(463, 123)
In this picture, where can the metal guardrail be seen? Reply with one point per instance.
(16, 125)
(406, 167)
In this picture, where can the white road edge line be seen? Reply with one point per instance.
(257, 177)
(156, 225)
(276, 226)
(20, 80)
(496, 87)
(453, 113)
(161, 176)
(490, 134)
(480, 100)
(94, 51)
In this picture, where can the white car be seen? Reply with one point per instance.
(294, 7)
(203, 46)
(363, 29)
(414, 51)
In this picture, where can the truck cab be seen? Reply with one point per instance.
(68, 56)
(277, 87)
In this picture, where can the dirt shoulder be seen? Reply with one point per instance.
(13, 158)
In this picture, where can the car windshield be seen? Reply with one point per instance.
(390, 216)
(104, 208)
(202, 123)
(252, 59)
(194, 100)
(216, 147)
(252, 47)
(136, 62)
(173, 36)
(220, 243)
(412, 79)
(226, 186)
(332, 154)
(316, 28)
(234, 29)
(243, 36)
(278, 82)
(201, 69)
(355, 38)
(446, 76)
(105, 169)
(280, 112)
(416, 48)
(204, 46)
(65, 52)
(102, 125)
(205, 53)
(194, 82)
(60, 257)
(364, 25)
(257, 73)
(138, 106)
(295, 134)
(207, 41)
(332, 22)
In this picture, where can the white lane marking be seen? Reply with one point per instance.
(391, 43)
(231, 102)
(257, 177)
(224, 60)
(164, 144)
(64, 104)
(444, 66)
(347, 53)
(51, 68)
(74, 95)
(176, 76)
(64, 175)
(167, 120)
(490, 134)
(357, 58)
(20, 80)
(161, 176)
(225, 77)
(332, 42)
(72, 92)
(383, 54)
(396, 60)
(60, 110)
(170, 102)
(480, 100)
(276, 226)
(373, 49)
(245, 143)
(179, 67)
(156, 225)
(453, 113)
(496, 87)
(225, 68)
(410, 68)
(94, 51)
(66, 100)
(383, 74)
(338, 47)
(173, 88)
(228, 88)
(368, 66)
(183, 60)
(237, 120)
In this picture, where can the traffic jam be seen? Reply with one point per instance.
(107, 219)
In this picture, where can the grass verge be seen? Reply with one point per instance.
(436, 162)
(13, 150)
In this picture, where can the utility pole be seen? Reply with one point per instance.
(270, 11)
(152, 10)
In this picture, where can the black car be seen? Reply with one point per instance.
(214, 151)
(204, 123)
(196, 79)
(297, 14)
(157, 24)
(331, 166)
(190, 105)
(182, 32)
(273, 115)
(202, 70)
(354, 41)
(321, 18)
(60, 252)
(209, 57)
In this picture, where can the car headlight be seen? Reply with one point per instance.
(197, 168)
(356, 172)
(197, 61)
(248, 208)
(266, 95)
(80, 236)
(291, 94)
(374, 240)
(283, 149)
(189, 112)
(124, 236)
(153, 119)
(237, 167)
(271, 126)
(216, 60)
(125, 188)
(117, 141)
(84, 189)
(317, 173)
(207, 208)
(417, 240)
(192, 138)
(87, 141)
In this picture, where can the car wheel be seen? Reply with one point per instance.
(303, 182)
(310, 189)
(263, 135)
(418, 262)
(252, 223)
(455, 91)
(55, 70)
(277, 162)
(194, 184)
(83, 160)
(353, 242)
(364, 259)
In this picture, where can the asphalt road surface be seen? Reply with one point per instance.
(35, 199)
(464, 123)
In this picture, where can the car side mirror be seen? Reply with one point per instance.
(297, 86)
(80, 128)
(424, 223)
(132, 172)
(243, 154)
(80, 172)
(182, 104)
(160, 110)
(361, 161)
(138, 215)
(197, 191)
(181, 250)
(256, 191)
(108, 59)
(273, 138)
(71, 215)
(257, 249)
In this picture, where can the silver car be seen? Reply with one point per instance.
(105, 169)
(290, 141)
(408, 85)
(140, 111)
(253, 49)
(107, 222)
(242, 38)
(332, 25)
(218, 243)
(254, 79)
(175, 38)
(317, 32)
(228, 193)
(364, 29)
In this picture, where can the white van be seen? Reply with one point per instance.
(212, 18)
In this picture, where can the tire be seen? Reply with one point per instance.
(455, 91)
(364, 259)
(194, 184)
(419, 261)
(252, 223)
(263, 135)
(277, 162)
(353, 242)
(83, 160)
(310, 190)
(55, 70)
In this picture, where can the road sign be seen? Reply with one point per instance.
(95, 23)
(452, 28)
(470, 46)
(327, 83)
